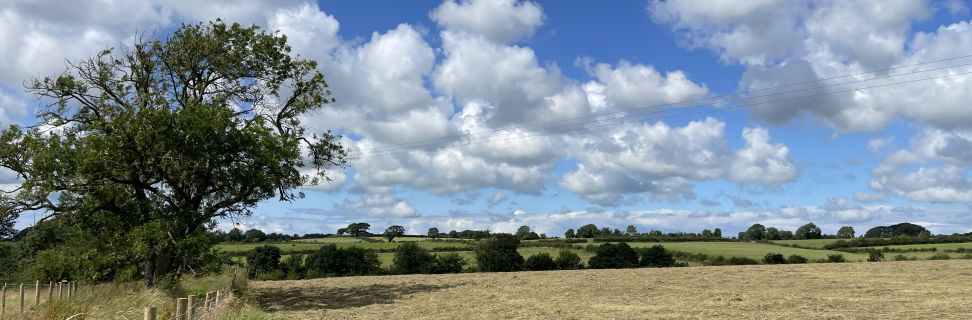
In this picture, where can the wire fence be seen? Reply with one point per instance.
(26, 295)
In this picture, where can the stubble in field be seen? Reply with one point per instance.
(888, 290)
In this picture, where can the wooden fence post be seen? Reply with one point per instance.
(150, 313)
(37, 288)
(191, 309)
(60, 290)
(3, 300)
(180, 313)
(209, 297)
(216, 302)
(50, 291)
(21, 298)
(70, 293)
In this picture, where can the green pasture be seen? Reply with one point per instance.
(939, 246)
(810, 243)
(751, 250)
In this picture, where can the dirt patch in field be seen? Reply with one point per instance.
(887, 290)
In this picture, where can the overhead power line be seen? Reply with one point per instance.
(460, 140)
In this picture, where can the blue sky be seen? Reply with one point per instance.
(405, 71)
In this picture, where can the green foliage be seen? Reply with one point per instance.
(498, 254)
(741, 261)
(293, 268)
(433, 233)
(808, 231)
(755, 232)
(874, 255)
(394, 231)
(845, 232)
(614, 256)
(145, 151)
(940, 256)
(835, 258)
(793, 258)
(448, 263)
(263, 259)
(587, 231)
(657, 257)
(540, 262)
(330, 260)
(773, 234)
(235, 235)
(568, 260)
(411, 258)
(358, 228)
(895, 230)
(774, 258)
(254, 235)
(569, 234)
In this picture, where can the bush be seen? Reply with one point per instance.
(614, 256)
(330, 260)
(835, 258)
(715, 261)
(263, 259)
(657, 257)
(411, 258)
(293, 268)
(940, 256)
(901, 257)
(742, 261)
(498, 254)
(540, 262)
(448, 263)
(568, 260)
(774, 258)
(796, 259)
(875, 255)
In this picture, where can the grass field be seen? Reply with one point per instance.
(939, 246)
(748, 249)
(299, 246)
(811, 243)
(887, 290)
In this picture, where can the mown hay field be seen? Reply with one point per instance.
(884, 290)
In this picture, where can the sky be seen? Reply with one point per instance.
(674, 115)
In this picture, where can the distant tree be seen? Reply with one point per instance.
(394, 231)
(717, 233)
(796, 259)
(632, 230)
(657, 257)
(412, 258)
(755, 232)
(906, 229)
(879, 232)
(453, 234)
(358, 228)
(330, 260)
(540, 262)
(342, 231)
(255, 235)
(235, 235)
(874, 255)
(772, 233)
(293, 267)
(808, 231)
(845, 232)
(531, 236)
(587, 231)
(433, 233)
(706, 233)
(924, 234)
(570, 234)
(655, 233)
(614, 256)
(568, 260)
(498, 254)
(263, 259)
(786, 235)
(774, 258)
(522, 232)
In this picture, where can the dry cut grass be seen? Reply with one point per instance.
(886, 290)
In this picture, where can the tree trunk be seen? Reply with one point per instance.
(157, 265)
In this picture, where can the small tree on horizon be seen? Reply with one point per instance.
(394, 231)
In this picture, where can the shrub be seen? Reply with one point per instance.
(498, 254)
(835, 258)
(613, 256)
(715, 261)
(448, 263)
(540, 262)
(940, 256)
(875, 255)
(568, 260)
(742, 261)
(657, 257)
(796, 259)
(331, 260)
(263, 259)
(293, 268)
(774, 258)
(411, 258)
(901, 257)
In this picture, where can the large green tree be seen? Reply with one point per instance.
(153, 145)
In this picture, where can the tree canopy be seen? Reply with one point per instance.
(150, 146)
